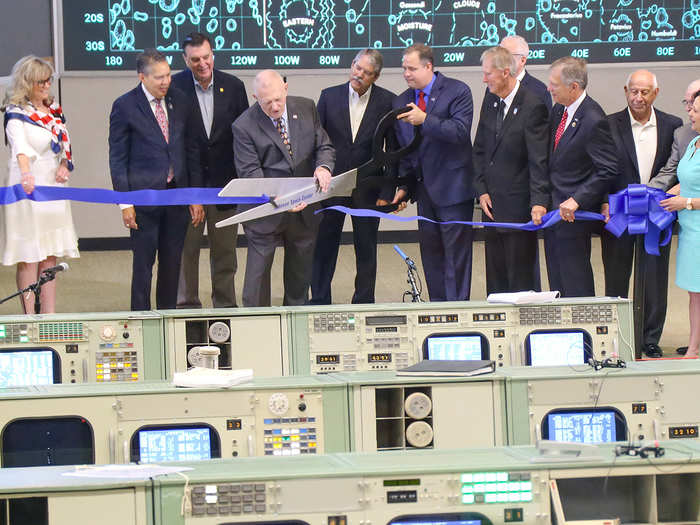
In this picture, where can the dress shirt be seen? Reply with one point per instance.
(205, 97)
(285, 121)
(357, 105)
(645, 141)
(521, 75)
(152, 101)
(509, 99)
(572, 109)
(426, 90)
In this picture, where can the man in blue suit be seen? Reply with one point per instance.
(350, 113)
(442, 171)
(582, 166)
(148, 150)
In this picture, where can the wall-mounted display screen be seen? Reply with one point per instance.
(25, 367)
(107, 34)
(461, 347)
(557, 348)
(157, 443)
(585, 425)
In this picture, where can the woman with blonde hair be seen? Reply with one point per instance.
(36, 233)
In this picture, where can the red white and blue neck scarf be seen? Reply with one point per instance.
(54, 122)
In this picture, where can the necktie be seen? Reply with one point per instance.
(282, 130)
(162, 119)
(499, 116)
(163, 123)
(421, 101)
(560, 128)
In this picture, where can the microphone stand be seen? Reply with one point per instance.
(415, 291)
(44, 278)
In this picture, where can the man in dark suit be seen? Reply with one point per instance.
(582, 164)
(281, 136)
(217, 99)
(148, 149)
(510, 171)
(442, 170)
(643, 137)
(518, 47)
(350, 113)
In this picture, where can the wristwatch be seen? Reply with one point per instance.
(689, 204)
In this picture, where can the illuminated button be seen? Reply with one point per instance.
(479, 478)
(491, 476)
(278, 445)
(492, 487)
(295, 438)
(491, 498)
(467, 489)
(312, 444)
(514, 486)
(514, 496)
(467, 478)
(526, 486)
(503, 487)
(502, 497)
(526, 496)
(502, 476)
(480, 487)
(468, 498)
(134, 375)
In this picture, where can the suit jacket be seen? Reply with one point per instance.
(444, 159)
(258, 150)
(139, 156)
(512, 166)
(627, 167)
(585, 162)
(538, 88)
(667, 178)
(215, 151)
(334, 113)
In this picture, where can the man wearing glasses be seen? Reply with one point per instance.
(518, 47)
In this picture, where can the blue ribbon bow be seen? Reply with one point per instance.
(637, 210)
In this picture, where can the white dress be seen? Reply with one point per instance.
(33, 231)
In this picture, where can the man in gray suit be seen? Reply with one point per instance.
(667, 179)
(281, 136)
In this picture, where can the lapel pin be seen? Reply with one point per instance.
(221, 90)
(573, 124)
(294, 116)
(432, 99)
(515, 111)
(495, 104)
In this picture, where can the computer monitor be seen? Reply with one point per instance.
(461, 518)
(585, 425)
(558, 347)
(45, 441)
(29, 366)
(189, 442)
(456, 347)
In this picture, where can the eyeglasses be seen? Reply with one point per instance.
(45, 81)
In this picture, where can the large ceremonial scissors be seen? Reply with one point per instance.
(287, 192)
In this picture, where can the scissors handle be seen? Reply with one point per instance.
(384, 158)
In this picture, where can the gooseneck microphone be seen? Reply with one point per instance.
(58, 268)
(405, 257)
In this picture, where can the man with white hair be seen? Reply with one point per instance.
(518, 47)
(643, 138)
(281, 136)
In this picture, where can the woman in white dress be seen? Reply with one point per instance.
(33, 233)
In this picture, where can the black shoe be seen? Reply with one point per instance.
(652, 350)
(682, 350)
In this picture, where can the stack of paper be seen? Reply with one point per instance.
(523, 297)
(198, 377)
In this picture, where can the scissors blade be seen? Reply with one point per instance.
(341, 186)
(271, 186)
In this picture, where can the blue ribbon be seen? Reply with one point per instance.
(637, 210)
(174, 197)
(548, 219)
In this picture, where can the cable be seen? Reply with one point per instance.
(186, 502)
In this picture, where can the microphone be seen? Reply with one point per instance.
(55, 269)
(405, 257)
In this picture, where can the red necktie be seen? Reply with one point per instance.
(421, 101)
(560, 128)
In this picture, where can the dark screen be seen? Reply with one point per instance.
(327, 33)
